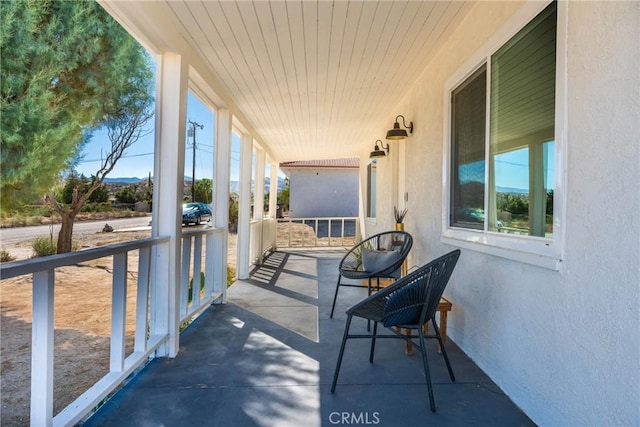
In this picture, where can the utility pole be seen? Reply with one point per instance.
(192, 132)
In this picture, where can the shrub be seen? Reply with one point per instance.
(230, 275)
(44, 246)
(5, 256)
(127, 194)
(191, 286)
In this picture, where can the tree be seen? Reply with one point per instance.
(283, 197)
(124, 130)
(204, 190)
(127, 194)
(67, 66)
(144, 191)
(73, 181)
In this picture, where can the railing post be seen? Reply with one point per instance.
(42, 349)
(142, 298)
(208, 265)
(184, 275)
(118, 312)
(197, 269)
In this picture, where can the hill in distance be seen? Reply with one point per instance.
(234, 185)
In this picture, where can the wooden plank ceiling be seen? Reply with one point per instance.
(315, 79)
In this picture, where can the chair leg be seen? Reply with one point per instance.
(427, 374)
(369, 294)
(335, 296)
(444, 352)
(344, 341)
(373, 341)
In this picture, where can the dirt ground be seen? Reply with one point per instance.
(82, 313)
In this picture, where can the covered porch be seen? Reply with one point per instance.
(552, 319)
(267, 357)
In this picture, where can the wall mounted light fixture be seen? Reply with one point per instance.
(397, 132)
(377, 152)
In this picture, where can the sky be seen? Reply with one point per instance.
(138, 159)
(511, 169)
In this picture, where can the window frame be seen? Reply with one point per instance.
(539, 251)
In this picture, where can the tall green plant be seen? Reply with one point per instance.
(204, 190)
(67, 68)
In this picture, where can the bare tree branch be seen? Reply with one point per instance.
(123, 131)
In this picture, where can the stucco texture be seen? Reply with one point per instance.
(564, 345)
(323, 193)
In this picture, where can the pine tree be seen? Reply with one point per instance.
(67, 68)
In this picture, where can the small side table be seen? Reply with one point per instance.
(443, 307)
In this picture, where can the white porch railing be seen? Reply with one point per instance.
(146, 339)
(196, 286)
(262, 238)
(316, 232)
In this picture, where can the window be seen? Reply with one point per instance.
(503, 144)
(371, 189)
(468, 119)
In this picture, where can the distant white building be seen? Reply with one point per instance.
(322, 188)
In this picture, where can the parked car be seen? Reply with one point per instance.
(195, 213)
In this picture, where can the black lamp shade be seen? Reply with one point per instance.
(377, 153)
(396, 132)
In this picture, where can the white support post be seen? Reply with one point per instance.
(259, 191)
(258, 203)
(244, 207)
(118, 312)
(221, 203)
(273, 191)
(209, 239)
(42, 349)
(273, 200)
(171, 112)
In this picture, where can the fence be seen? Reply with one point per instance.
(316, 232)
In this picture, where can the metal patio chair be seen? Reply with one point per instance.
(378, 257)
(409, 303)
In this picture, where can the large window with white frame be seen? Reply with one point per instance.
(502, 147)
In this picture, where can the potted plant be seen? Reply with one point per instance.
(399, 215)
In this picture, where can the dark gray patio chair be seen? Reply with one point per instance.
(408, 303)
(378, 257)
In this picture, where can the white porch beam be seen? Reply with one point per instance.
(171, 112)
(258, 203)
(244, 206)
(273, 192)
(221, 200)
(273, 202)
(259, 191)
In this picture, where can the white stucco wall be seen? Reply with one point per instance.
(564, 345)
(323, 192)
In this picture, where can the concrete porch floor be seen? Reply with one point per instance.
(267, 359)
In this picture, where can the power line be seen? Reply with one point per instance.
(192, 132)
(122, 157)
